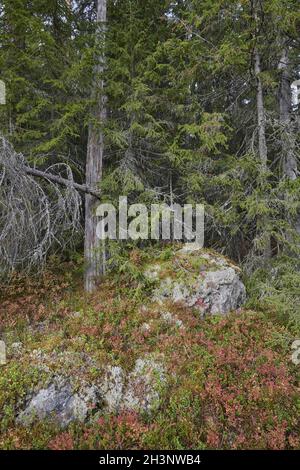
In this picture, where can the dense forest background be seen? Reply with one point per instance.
(197, 105)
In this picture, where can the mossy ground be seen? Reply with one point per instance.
(231, 384)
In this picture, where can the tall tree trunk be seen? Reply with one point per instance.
(94, 259)
(285, 109)
(261, 117)
(288, 132)
(262, 143)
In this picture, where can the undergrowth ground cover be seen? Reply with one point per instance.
(231, 385)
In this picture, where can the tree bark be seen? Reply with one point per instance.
(285, 109)
(262, 143)
(94, 260)
(261, 118)
(288, 131)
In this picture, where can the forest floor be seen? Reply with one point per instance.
(232, 382)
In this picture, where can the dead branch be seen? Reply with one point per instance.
(37, 215)
(62, 181)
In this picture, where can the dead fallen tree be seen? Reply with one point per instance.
(39, 210)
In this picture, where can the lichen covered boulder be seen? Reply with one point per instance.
(64, 399)
(60, 403)
(198, 279)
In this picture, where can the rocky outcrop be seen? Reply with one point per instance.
(206, 282)
(63, 402)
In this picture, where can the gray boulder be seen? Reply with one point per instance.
(221, 292)
(59, 402)
(215, 289)
(63, 401)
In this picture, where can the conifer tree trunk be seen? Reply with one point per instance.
(262, 142)
(288, 139)
(94, 260)
(261, 118)
(285, 108)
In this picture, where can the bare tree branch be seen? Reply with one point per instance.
(62, 181)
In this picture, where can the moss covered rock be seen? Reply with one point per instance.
(198, 279)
